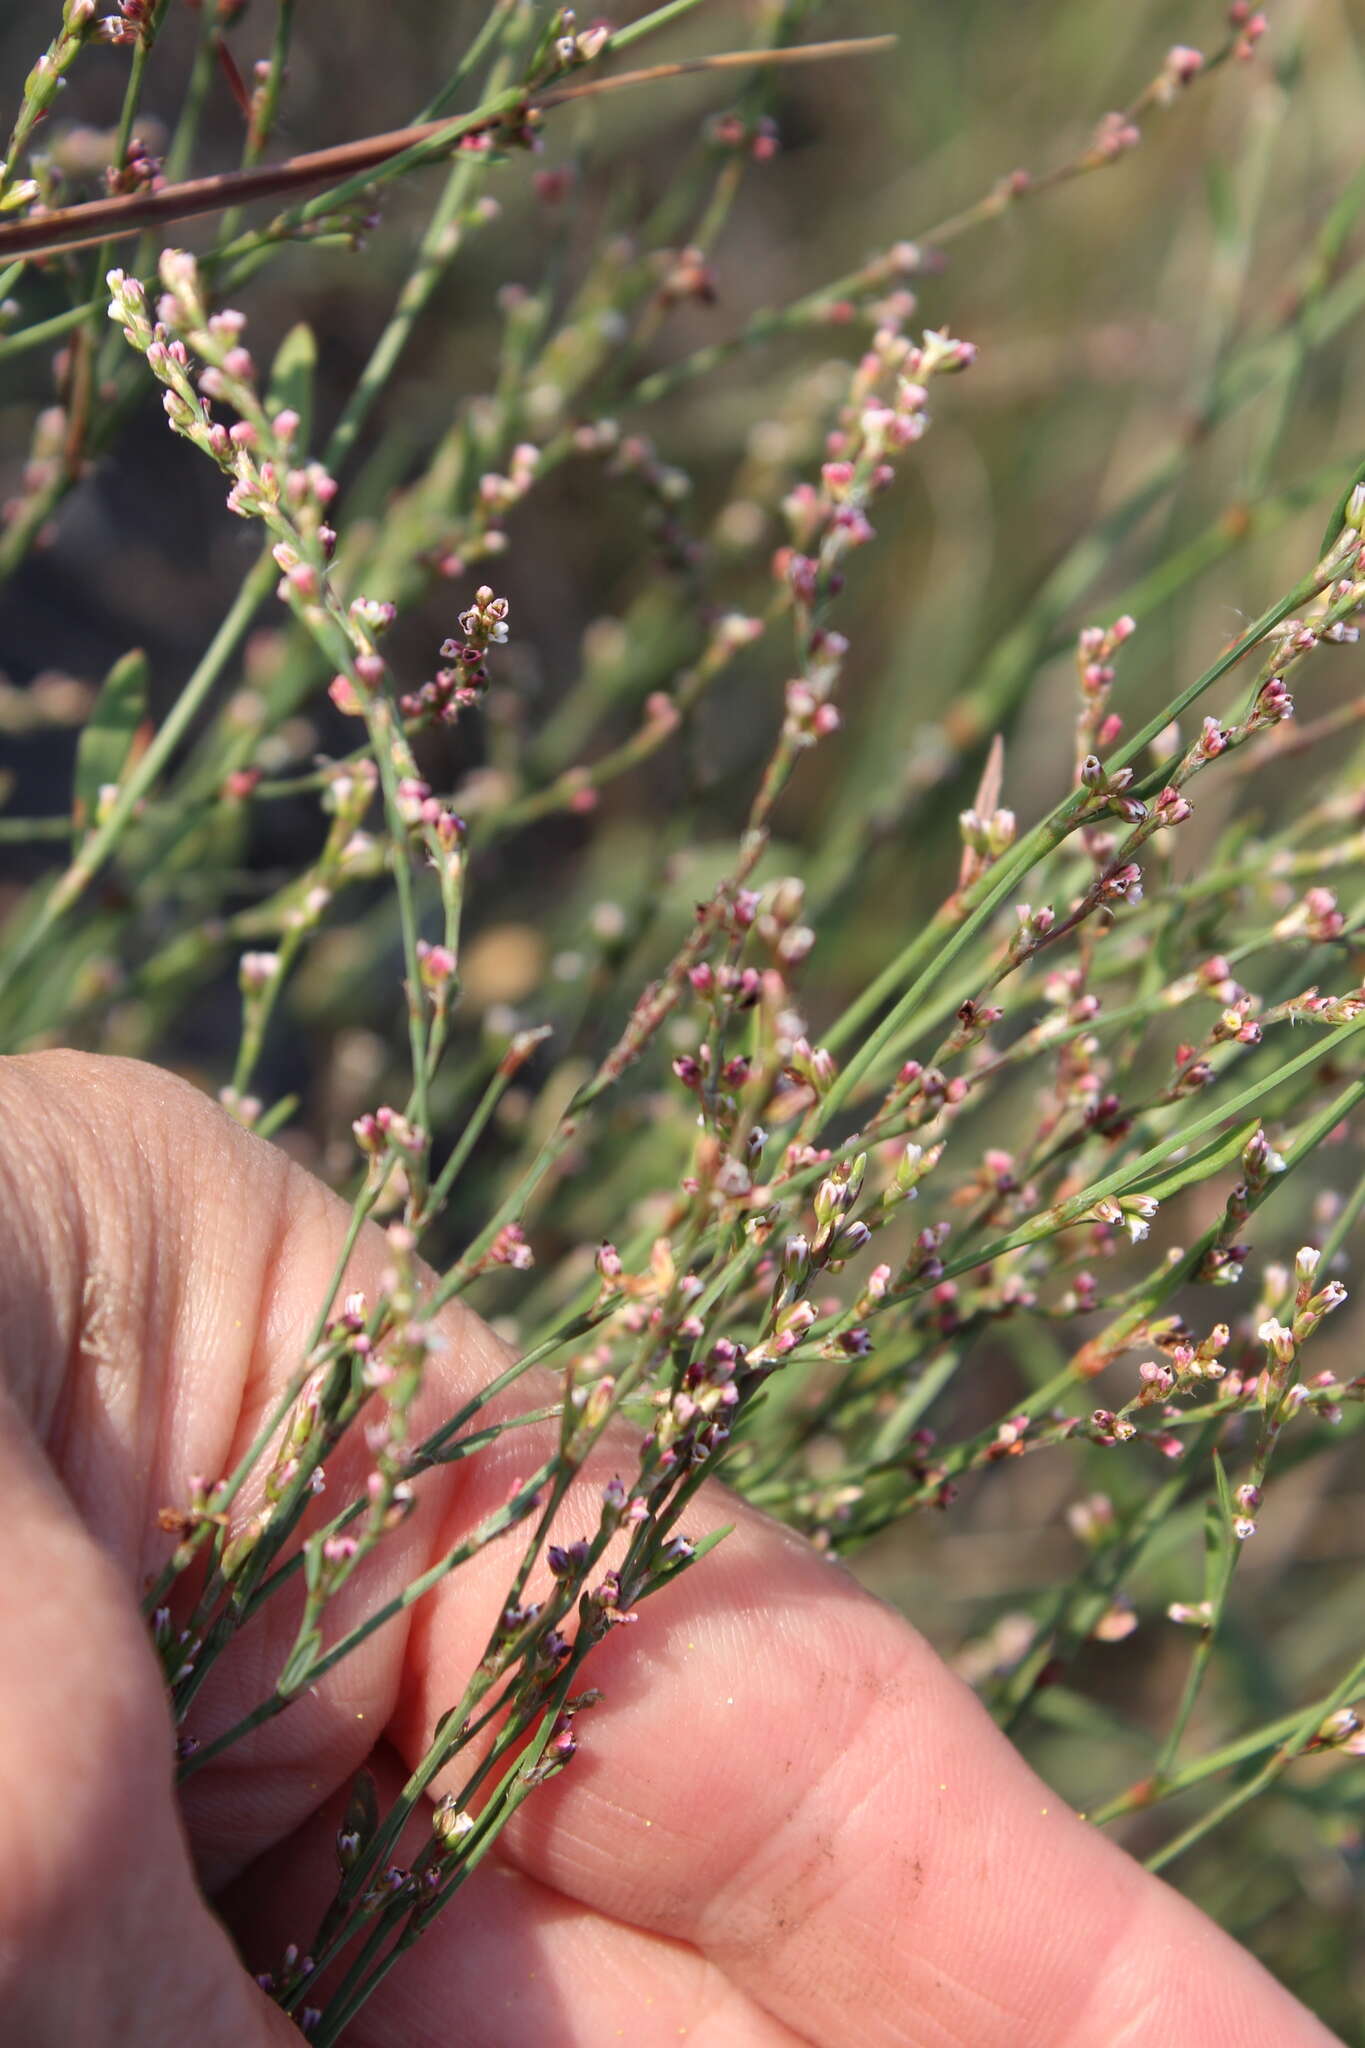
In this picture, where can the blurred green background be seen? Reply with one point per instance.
(1169, 374)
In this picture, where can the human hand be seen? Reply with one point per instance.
(788, 1822)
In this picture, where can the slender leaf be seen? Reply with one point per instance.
(290, 386)
(106, 744)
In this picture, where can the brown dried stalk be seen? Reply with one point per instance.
(104, 220)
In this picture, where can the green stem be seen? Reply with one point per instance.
(1145, 1794)
(950, 933)
(103, 842)
(1292, 1746)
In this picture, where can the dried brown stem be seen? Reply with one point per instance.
(104, 220)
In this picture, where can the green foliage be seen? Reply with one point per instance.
(106, 742)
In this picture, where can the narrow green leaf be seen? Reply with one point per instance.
(1225, 1499)
(362, 1811)
(1202, 1164)
(312, 1563)
(104, 746)
(298, 1669)
(707, 1543)
(277, 1115)
(664, 1576)
(1219, 1541)
(660, 16)
(1220, 1545)
(1338, 518)
(290, 384)
(1222, 198)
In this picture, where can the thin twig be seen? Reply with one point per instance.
(100, 220)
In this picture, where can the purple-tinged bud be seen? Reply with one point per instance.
(399, 1132)
(450, 1823)
(509, 1248)
(1196, 1614)
(1341, 1729)
(1181, 66)
(1122, 884)
(795, 1259)
(256, 971)
(1274, 702)
(813, 1064)
(609, 1264)
(1157, 1380)
(1114, 135)
(436, 964)
(943, 352)
(1278, 1339)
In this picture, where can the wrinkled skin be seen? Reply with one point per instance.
(787, 1821)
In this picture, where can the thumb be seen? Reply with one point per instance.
(104, 1937)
